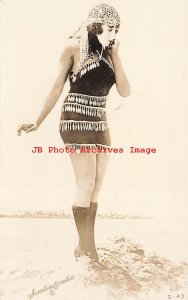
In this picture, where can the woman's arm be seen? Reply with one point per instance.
(66, 62)
(122, 84)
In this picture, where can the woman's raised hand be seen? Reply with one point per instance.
(113, 47)
(27, 128)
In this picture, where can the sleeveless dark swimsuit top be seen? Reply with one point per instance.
(83, 116)
(94, 79)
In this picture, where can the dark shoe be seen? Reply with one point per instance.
(85, 222)
(90, 221)
(80, 214)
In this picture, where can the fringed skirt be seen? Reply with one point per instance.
(83, 122)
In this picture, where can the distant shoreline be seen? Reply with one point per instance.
(7, 216)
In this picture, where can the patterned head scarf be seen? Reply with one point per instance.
(101, 13)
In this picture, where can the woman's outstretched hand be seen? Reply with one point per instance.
(27, 128)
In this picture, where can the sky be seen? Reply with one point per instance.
(153, 42)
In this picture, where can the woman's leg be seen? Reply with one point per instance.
(84, 165)
(102, 160)
(84, 214)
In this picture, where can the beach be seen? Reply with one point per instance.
(37, 260)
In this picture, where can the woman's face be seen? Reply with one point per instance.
(108, 34)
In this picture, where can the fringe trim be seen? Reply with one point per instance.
(90, 66)
(83, 125)
(86, 99)
(76, 146)
(83, 109)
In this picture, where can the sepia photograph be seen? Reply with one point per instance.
(93, 150)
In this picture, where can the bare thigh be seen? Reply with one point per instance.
(84, 165)
(102, 160)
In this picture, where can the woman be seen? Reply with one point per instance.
(91, 62)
